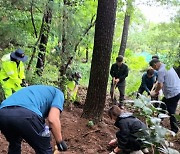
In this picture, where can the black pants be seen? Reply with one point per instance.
(171, 105)
(17, 123)
(121, 88)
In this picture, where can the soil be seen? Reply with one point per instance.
(80, 138)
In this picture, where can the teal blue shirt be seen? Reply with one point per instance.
(37, 98)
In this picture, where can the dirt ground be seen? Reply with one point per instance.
(80, 138)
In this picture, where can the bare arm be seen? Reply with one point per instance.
(55, 123)
(158, 87)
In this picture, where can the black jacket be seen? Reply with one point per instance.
(119, 72)
(129, 128)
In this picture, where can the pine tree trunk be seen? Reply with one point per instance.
(104, 31)
(124, 35)
(44, 38)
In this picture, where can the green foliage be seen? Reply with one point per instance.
(136, 64)
(157, 134)
(161, 39)
(49, 77)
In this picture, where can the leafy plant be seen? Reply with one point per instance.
(158, 135)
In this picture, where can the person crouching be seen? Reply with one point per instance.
(129, 126)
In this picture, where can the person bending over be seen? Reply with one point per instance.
(129, 126)
(22, 116)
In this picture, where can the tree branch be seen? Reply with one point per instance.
(35, 45)
(32, 19)
(92, 23)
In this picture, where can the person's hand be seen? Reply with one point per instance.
(116, 80)
(56, 151)
(153, 93)
(116, 150)
(62, 146)
(112, 142)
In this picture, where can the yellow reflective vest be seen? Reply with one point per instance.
(10, 75)
(72, 89)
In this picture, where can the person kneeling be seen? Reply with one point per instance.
(129, 128)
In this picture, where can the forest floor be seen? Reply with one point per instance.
(80, 138)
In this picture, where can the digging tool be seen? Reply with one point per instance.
(112, 93)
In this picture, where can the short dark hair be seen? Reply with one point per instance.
(154, 61)
(155, 56)
(114, 111)
(119, 58)
(150, 71)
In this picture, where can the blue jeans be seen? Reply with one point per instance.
(17, 123)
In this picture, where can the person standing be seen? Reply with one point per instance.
(119, 72)
(169, 82)
(12, 77)
(23, 114)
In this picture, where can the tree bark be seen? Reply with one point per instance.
(124, 35)
(44, 39)
(104, 31)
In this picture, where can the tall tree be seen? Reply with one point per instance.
(44, 38)
(124, 37)
(104, 31)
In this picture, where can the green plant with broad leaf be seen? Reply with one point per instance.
(158, 136)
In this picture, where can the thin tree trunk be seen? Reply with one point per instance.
(92, 23)
(64, 28)
(87, 54)
(44, 39)
(35, 46)
(32, 19)
(104, 31)
(124, 35)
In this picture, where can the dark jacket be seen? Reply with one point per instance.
(129, 127)
(147, 83)
(119, 72)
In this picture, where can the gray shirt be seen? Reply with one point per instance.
(170, 80)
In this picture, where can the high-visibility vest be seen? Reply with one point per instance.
(10, 72)
(71, 85)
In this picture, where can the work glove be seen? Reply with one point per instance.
(62, 146)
